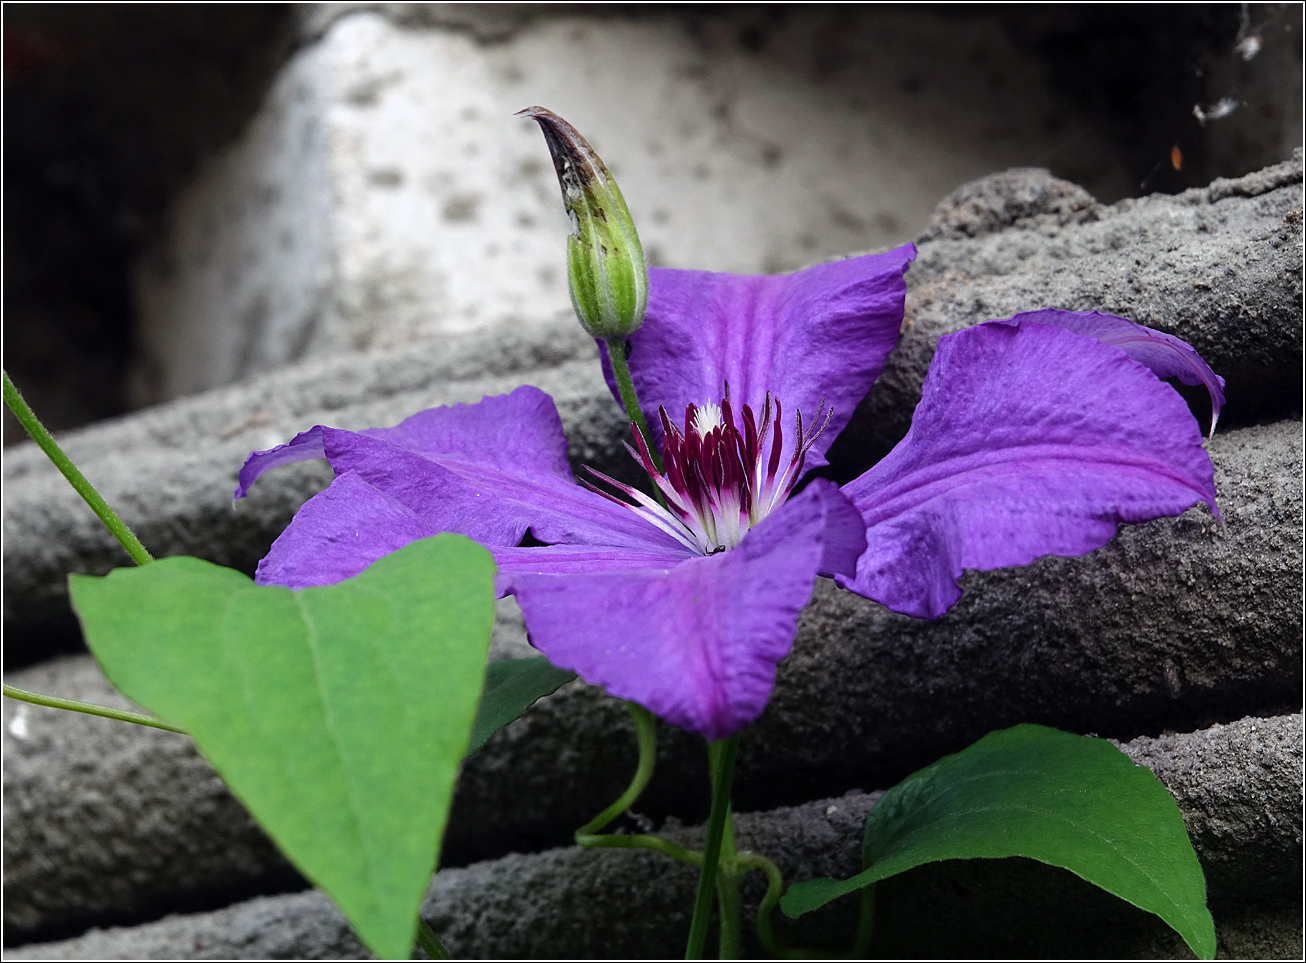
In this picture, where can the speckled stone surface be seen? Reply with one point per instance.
(1238, 786)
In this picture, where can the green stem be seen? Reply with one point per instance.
(721, 757)
(84, 488)
(89, 708)
(587, 835)
(728, 878)
(730, 903)
(641, 841)
(646, 733)
(765, 911)
(629, 400)
(428, 941)
(774, 887)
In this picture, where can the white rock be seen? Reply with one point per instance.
(385, 192)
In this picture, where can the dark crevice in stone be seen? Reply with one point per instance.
(200, 900)
(108, 111)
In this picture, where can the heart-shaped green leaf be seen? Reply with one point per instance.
(511, 687)
(338, 715)
(1071, 801)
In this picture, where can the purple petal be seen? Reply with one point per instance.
(305, 446)
(492, 504)
(696, 642)
(843, 539)
(488, 471)
(1166, 355)
(338, 533)
(515, 563)
(1028, 441)
(820, 334)
(519, 430)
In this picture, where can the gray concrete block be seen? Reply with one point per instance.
(170, 471)
(1174, 624)
(385, 192)
(584, 903)
(105, 818)
(1219, 267)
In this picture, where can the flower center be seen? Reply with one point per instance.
(721, 477)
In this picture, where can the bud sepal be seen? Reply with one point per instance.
(605, 261)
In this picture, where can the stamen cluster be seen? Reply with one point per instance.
(721, 477)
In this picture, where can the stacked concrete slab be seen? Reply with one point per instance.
(1182, 638)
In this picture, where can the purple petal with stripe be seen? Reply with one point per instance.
(1166, 355)
(820, 334)
(337, 533)
(696, 642)
(488, 471)
(516, 431)
(522, 563)
(305, 446)
(1029, 440)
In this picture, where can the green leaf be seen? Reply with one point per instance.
(338, 715)
(1066, 800)
(511, 687)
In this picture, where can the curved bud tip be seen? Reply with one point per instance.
(605, 262)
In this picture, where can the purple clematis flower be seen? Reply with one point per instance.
(1035, 435)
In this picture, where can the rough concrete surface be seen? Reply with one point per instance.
(385, 192)
(1219, 267)
(103, 818)
(170, 471)
(1174, 624)
(152, 822)
(1245, 777)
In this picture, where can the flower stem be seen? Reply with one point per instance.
(32, 424)
(428, 941)
(646, 733)
(721, 758)
(629, 400)
(729, 901)
(22, 695)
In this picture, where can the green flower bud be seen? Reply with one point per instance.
(605, 262)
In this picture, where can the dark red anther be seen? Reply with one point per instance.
(668, 429)
(645, 458)
(766, 421)
(714, 475)
(698, 488)
(750, 436)
(777, 443)
(674, 474)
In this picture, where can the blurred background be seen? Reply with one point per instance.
(196, 193)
